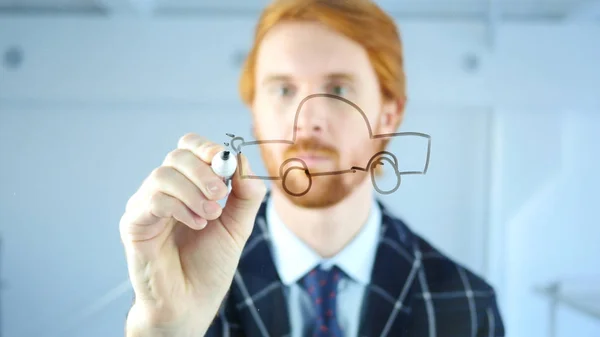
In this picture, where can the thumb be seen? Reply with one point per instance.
(247, 194)
(245, 187)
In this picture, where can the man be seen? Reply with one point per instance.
(331, 262)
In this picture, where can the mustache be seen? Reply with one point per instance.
(311, 145)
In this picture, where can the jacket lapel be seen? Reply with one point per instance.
(259, 290)
(261, 302)
(386, 309)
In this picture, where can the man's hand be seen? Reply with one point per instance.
(182, 248)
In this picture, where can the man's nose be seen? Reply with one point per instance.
(310, 119)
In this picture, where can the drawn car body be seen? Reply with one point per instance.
(237, 143)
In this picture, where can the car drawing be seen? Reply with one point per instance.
(237, 143)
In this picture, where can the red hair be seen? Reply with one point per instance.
(359, 20)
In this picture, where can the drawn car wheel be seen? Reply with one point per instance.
(380, 161)
(297, 164)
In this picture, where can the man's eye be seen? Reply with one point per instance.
(284, 91)
(339, 90)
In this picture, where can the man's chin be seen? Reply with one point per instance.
(318, 196)
(307, 201)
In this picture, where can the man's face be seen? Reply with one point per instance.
(299, 59)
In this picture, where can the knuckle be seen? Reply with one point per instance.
(124, 222)
(211, 149)
(161, 173)
(187, 137)
(126, 227)
(157, 204)
(176, 156)
(205, 146)
(131, 202)
(189, 140)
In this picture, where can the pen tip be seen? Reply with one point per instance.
(225, 155)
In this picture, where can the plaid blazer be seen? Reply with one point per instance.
(415, 291)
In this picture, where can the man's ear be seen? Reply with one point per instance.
(391, 115)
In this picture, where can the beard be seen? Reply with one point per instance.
(320, 191)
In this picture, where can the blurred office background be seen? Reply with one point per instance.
(94, 93)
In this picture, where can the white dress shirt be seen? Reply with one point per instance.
(293, 259)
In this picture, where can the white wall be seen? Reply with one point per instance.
(547, 103)
(91, 110)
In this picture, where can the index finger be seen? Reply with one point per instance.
(200, 146)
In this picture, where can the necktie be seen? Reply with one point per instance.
(321, 285)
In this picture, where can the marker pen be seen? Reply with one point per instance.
(224, 165)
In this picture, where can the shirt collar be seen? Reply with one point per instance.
(293, 258)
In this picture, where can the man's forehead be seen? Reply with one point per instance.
(310, 64)
(308, 50)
